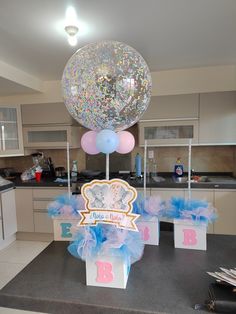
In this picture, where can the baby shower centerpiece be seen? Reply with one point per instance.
(106, 87)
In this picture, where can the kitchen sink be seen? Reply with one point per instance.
(222, 180)
(207, 179)
(180, 180)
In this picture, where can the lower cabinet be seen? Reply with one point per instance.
(31, 208)
(8, 225)
(24, 210)
(42, 223)
(8, 209)
(225, 201)
(166, 194)
(1, 231)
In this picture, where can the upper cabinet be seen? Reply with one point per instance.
(49, 126)
(11, 142)
(168, 133)
(217, 118)
(53, 137)
(175, 107)
(170, 120)
(45, 114)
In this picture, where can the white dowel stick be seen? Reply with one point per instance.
(145, 170)
(189, 168)
(68, 167)
(107, 166)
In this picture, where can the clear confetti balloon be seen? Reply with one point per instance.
(106, 85)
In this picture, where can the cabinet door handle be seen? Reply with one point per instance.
(3, 138)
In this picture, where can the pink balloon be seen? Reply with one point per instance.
(126, 142)
(88, 143)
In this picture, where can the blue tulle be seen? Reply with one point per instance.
(198, 211)
(65, 205)
(149, 207)
(107, 240)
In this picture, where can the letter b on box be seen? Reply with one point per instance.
(107, 271)
(104, 272)
(149, 230)
(189, 235)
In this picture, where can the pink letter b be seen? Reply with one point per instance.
(104, 272)
(190, 237)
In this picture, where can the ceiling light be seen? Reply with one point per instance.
(72, 31)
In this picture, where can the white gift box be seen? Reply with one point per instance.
(189, 235)
(107, 271)
(65, 228)
(149, 230)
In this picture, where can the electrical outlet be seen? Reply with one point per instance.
(151, 154)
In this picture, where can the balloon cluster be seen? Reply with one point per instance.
(106, 87)
(107, 142)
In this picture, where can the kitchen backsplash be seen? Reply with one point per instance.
(58, 157)
(204, 158)
(117, 162)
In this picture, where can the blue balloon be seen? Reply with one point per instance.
(107, 141)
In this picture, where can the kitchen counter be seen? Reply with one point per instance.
(45, 182)
(5, 184)
(165, 280)
(168, 183)
(6, 187)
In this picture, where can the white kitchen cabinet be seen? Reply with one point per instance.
(168, 132)
(205, 195)
(225, 201)
(140, 191)
(170, 121)
(46, 114)
(166, 194)
(24, 210)
(41, 198)
(8, 205)
(172, 107)
(217, 118)
(31, 208)
(1, 231)
(43, 223)
(52, 137)
(11, 141)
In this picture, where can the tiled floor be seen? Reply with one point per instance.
(13, 259)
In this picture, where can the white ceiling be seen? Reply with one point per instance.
(169, 34)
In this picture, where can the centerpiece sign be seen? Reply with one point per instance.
(109, 202)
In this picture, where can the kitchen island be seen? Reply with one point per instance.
(165, 280)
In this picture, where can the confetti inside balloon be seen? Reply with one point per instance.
(106, 85)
